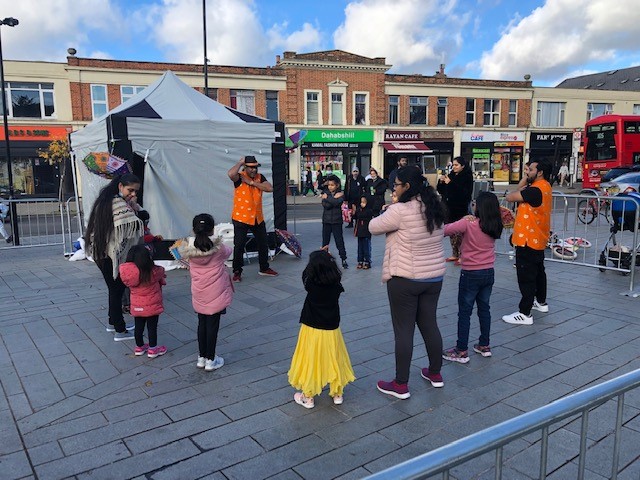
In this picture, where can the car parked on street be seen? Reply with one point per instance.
(617, 171)
(629, 182)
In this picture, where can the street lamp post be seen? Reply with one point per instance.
(206, 60)
(10, 22)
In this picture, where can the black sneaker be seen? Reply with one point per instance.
(10, 239)
(345, 265)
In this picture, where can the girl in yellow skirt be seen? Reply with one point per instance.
(321, 356)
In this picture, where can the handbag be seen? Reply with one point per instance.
(346, 213)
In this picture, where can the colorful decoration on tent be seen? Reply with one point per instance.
(290, 241)
(106, 165)
(294, 140)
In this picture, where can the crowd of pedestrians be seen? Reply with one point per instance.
(413, 266)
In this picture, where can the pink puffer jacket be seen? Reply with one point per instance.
(410, 250)
(146, 298)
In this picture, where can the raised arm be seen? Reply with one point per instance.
(234, 172)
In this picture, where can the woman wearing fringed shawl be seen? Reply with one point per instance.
(112, 230)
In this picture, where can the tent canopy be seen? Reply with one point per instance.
(182, 143)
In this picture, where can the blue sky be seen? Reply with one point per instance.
(499, 39)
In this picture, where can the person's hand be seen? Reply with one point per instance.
(339, 195)
(385, 206)
(247, 180)
(446, 179)
(158, 238)
(323, 196)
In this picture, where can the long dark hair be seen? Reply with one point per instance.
(203, 224)
(100, 225)
(141, 256)
(434, 209)
(321, 269)
(488, 213)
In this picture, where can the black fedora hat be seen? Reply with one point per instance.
(250, 161)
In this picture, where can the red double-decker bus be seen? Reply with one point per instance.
(611, 141)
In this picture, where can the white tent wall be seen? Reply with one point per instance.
(185, 175)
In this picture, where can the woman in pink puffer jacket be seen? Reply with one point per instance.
(211, 286)
(413, 269)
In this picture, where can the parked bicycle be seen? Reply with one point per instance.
(589, 209)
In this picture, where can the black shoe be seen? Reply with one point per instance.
(349, 226)
(10, 239)
(345, 265)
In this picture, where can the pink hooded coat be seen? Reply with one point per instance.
(146, 298)
(211, 286)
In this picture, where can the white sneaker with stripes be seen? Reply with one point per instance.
(518, 318)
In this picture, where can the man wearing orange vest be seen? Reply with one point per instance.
(247, 214)
(530, 236)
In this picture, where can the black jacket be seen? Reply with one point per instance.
(457, 193)
(354, 188)
(375, 191)
(321, 308)
(363, 216)
(332, 206)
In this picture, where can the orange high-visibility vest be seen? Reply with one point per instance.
(533, 224)
(247, 204)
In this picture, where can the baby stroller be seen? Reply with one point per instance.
(624, 215)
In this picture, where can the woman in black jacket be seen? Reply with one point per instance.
(376, 188)
(456, 190)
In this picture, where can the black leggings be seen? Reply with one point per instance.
(208, 326)
(152, 330)
(414, 303)
(116, 289)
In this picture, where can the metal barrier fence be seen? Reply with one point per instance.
(443, 459)
(44, 222)
(587, 232)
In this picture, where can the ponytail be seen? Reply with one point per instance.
(203, 229)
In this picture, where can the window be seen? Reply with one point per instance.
(597, 109)
(213, 94)
(272, 104)
(360, 108)
(636, 109)
(243, 101)
(417, 110)
(513, 113)
(313, 108)
(128, 91)
(394, 103)
(442, 111)
(98, 100)
(30, 100)
(491, 113)
(550, 114)
(470, 117)
(336, 109)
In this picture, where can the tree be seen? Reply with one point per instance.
(57, 153)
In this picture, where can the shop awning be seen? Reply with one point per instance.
(405, 147)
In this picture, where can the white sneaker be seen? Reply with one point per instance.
(201, 362)
(214, 364)
(518, 318)
(338, 399)
(541, 307)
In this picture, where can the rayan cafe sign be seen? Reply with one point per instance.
(400, 136)
(491, 137)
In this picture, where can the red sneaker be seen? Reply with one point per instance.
(237, 276)
(394, 388)
(435, 378)
(268, 273)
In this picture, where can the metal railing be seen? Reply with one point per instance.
(44, 222)
(443, 459)
(583, 234)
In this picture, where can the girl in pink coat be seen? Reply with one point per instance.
(145, 281)
(211, 287)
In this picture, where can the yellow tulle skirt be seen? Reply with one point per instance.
(320, 358)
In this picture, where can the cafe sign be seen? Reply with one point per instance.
(491, 137)
(401, 135)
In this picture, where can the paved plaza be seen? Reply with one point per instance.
(76, 404)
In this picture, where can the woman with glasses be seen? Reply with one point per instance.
(456, 189)
(413, 269)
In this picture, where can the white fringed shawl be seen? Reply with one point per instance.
(128, 229)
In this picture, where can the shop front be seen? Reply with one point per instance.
(32, 175)
(553, 146)
(336, 151)
(494, 156)
(408, 144)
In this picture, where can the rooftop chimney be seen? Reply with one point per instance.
(277, 59)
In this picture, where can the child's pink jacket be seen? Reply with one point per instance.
(146, 299)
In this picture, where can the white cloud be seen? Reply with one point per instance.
(413, 35)
(309, 38)
(48, 28)
(562, 36)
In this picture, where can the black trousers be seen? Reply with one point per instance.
(208, 326)
(240, 231)
(116, 289)
(414, 303)
(532, 278)
(152, 330)
(336, 230)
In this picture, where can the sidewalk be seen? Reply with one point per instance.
(76, 404)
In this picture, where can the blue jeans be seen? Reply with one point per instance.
(474, 287)
(364, 250)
